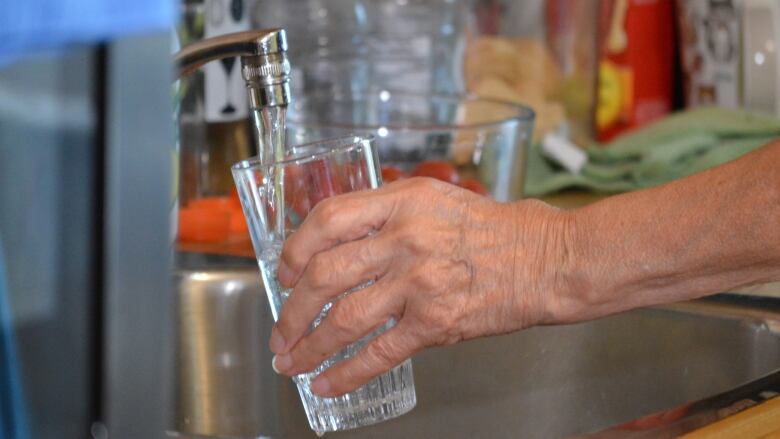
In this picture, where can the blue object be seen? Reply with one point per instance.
(13, 419)
(31, 26)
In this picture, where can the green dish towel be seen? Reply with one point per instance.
(674, 147)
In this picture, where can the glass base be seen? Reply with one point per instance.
(388, 396)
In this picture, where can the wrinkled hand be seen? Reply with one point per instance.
(448, 265)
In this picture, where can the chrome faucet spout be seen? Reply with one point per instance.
(264, 63)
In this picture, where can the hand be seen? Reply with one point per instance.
(448, 265)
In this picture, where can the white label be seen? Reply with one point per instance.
(711, 52)
(225, 92)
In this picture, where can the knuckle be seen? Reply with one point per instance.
(442, 321)
(366, 252)
(421, 278)
(308, 356)
(350, 374)
(293, 255)
(367, 258)
(319, 272)
(325, 211)
(411, 239)
(381, 355)
(452, 338)
(284, 325)
(445, 328)
(344, 318)
(418, 245)
(294, 260)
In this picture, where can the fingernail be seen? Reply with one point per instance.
(276, 343)
(281, 363)
(320, 386)
(284, 274)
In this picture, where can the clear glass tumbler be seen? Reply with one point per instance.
(276, 198)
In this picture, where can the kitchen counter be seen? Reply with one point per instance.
(762, 421)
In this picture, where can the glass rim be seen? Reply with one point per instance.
(350, 142)
(524, 113)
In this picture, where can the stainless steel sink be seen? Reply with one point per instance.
(544, 382)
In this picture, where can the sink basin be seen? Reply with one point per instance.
(543, 382)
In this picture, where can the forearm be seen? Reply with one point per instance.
(711, 232)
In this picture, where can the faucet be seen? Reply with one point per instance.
(266, 70)
(264, 63)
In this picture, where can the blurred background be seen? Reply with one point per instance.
(116, 195)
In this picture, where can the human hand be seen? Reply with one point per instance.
(448, 265)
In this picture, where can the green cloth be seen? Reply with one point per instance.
(674, 147)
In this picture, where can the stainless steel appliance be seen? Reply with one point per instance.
(85, 203)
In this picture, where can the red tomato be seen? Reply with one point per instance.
(474, 186)
(391, 173)
(437, 169)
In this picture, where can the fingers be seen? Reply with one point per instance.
(350, 319)
(348, 217)
(380, 355)
(334, 220)
(327, 275)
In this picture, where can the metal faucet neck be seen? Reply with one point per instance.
(264, 62)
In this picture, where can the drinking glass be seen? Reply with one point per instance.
(276, 198)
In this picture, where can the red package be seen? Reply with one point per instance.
(637, 63)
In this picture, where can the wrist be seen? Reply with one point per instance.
(547, 271)
(569, 274)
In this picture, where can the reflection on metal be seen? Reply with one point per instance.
(225, 385)
(543, 382)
